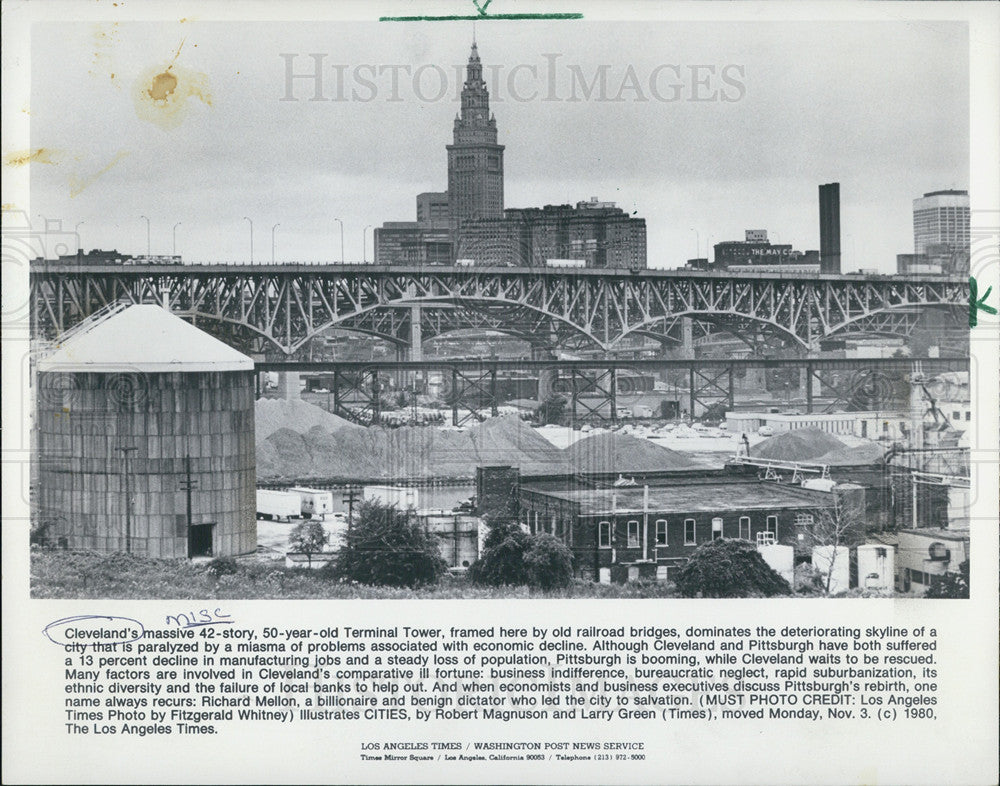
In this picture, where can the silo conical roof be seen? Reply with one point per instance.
(144, 338)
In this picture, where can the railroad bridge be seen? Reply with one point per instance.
(283, 306)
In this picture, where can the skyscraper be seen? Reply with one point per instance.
(475, 160)
(941, 218)
(829, 228)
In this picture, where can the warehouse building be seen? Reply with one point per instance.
(145, 429)
(648, 532)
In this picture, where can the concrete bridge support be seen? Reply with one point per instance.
(288, 385)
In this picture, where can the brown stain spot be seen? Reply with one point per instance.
(40, 155)
(163, 86)
(162, 94)
(78, 184)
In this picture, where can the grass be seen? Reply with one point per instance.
(81, 574)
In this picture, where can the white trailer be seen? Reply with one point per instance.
(403, 497)
(315, 502)
(278, 505)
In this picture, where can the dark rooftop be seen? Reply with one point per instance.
(688, 497)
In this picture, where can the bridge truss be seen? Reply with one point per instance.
(593, 389)
(285, 306)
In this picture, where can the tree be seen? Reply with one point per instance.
(726, 568)
(502, 560)
(951, 585)
(513, 557)
(548, 563)
(834, 531)
(384, 546)
(308, 537)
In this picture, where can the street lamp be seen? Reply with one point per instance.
(364, 243)
(697, 242)
(272, 241)
(341, 239)
(251, 238)
(175, 238)
(148, 252)
(76, 231)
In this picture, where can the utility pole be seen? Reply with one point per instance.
(349, 498)
(127, 472)
(188, 485)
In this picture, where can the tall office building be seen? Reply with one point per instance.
(475, 160)
(829, 228)
(591, 234)
(941, 218)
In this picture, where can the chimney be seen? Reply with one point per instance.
(829, 228)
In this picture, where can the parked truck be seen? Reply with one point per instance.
(314, 502)
(403, 497)
(278, 505)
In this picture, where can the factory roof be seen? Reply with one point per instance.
(690, 498)
(145, 339)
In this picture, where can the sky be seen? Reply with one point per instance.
(702, 129)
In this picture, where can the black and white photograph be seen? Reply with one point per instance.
(599, 376)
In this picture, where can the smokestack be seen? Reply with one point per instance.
(829, 228)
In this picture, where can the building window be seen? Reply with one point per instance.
(689, 534)
(772, 525)
(803, 519)
(745, 527)
(716, 528)
(633, 534)
(968, 415)
(956, 415)
(662, 573)
(661, 532)
(604, 535)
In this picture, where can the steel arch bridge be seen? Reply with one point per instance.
(286, 305)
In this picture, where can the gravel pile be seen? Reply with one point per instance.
(870, 453)
(800, 445)
(611, 452)
(410, 452)
(271, 414)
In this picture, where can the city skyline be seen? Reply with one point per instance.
(302, 164)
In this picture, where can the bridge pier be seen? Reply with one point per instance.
(288, 385)
(687, 337)
(546, 376)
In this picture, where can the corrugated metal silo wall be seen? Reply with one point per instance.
(175, 421)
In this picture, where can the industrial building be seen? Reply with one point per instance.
(647, 532)
(756, 252)
(145, 429)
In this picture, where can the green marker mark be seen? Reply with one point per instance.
(469, 18)
(976, 303)
(481, 9)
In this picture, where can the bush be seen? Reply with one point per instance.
(513, 557)
(729, 569)
(548, 563)
(222, 566)
(384, 547)
(502, 561)
(951, 585)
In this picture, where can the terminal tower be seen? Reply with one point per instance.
(475, 160)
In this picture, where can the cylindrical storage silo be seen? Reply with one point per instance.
(145, 431)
